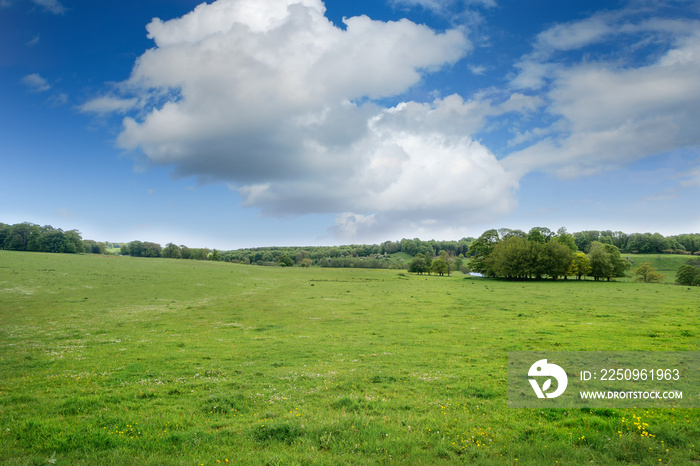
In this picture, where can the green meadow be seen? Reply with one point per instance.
(119, 360)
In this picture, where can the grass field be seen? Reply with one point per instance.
(118, 360)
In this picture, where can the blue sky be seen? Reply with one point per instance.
(245, 123)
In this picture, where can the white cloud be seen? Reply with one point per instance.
(478, 69)
(60, 98)
(52, 6)
(348, 225)
(35, 83)
(108, 104)
(619, 31)
(610, 113)
(406, 174)
(691, 178)
(574, 35)
(442, 6)
(273, 99)
(34, 41)
(532, 74)
(431, 174)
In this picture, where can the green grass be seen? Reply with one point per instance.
(405, 257)
(118, 360)
(666, 264)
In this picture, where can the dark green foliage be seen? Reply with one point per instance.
(94, 247)
(172, 251)
(439, 267)
(390, 254)
(151, 250)
(533, 256)
(606, 261)
(557, 259)
(688, 275)
(418, 265)
(285, 261)
(30, 237)
(541, 254)
(510, 258)
(601, 263)
(540, 235)
(480, 250)
(567, 239)
(136, 249)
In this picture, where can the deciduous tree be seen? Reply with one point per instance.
(606, 261)
(418, 265)
(172, 251)
(285, 261)
(646, 273)
(601, 264)
(688, 275)
(439, 266)
(580, 266)
(480, 249)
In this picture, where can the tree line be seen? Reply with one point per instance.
(640, 243)
(353, 255)
(504, 253)
(170, 251)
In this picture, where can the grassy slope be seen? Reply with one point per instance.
(666, 264)
(116, 360)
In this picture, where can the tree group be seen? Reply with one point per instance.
(31, 237)
(441, 265)
(514, 254)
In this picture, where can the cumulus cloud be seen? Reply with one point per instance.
(273, 99)
(396, 167)
(259, 94)
(289, 109)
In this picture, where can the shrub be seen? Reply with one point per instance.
(688, 275)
